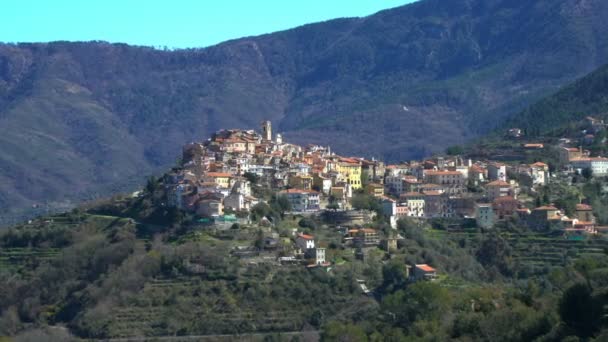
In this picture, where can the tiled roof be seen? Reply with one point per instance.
(425, 268)
(218, 174)
(498, 183)
(583, 207)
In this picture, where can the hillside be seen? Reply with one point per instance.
(81, 120)
(585, 97)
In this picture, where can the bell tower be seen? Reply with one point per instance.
(267, 130)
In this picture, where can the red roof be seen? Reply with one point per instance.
(583, 207)
(498, 183)
(443, 173)
(425, 268)
(306, 237)
(218, 174)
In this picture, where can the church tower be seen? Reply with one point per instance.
(267, 130)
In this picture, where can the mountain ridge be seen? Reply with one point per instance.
(79, 117)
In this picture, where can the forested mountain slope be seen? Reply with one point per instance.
(81, 119)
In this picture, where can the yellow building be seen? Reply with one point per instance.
(350, 170)
(219, 178)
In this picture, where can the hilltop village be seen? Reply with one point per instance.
(224, 179)
(505, 230)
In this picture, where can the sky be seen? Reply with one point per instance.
(169, 23)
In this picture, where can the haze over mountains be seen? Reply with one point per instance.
(80, 119)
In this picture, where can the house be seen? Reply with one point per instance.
(484, 215)
(461, 206)
(505, 207)
(376, 190)
(477, 174)
(302, 182)
(365, 237)
(322, 183)
(220, 178)
(515, 132)
(541, 217)
(424, 272)
(539, 172)
(389, 206)
(584, 212)
(567, 154)
(451, 181)
(350, 170)
(305, 242)
(498, 189)
(319, 256)
(436, 204)
(302, 200)
(597, 165)
(497, 171)
(209, 207)
(414, 202)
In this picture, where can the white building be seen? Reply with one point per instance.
(319, 256)
(597, 165)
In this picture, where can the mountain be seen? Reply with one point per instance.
(587, 96)
(80, 120)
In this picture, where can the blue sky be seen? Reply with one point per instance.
(171, 23)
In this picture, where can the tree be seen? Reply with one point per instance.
(587, 173)
(252, 177)
(454, 150)
(343, 332)
(580, 311)
(495, 251)
(280, 204)
(394, 276)
(420, 301)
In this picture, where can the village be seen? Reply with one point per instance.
(222, 180)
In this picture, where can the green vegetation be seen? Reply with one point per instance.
(408, 82)
(559, 113)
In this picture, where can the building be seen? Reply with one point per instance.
(365, 237)
(305, 242)
(267, 130)
(436, 204)
(567, 154)
(505, 207)
(302, 200)
(497, 171)
(498, 189)
(584, 212)
(302, 182)
(484, 215)
(322, 183)
(451, 181)
(414, 202)
(210, 207)
(220, 178)
(541, 217)
(319, 256)
(597, 165)
(376, 190)
(350, 170)
(423, 272)
(539, 172)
